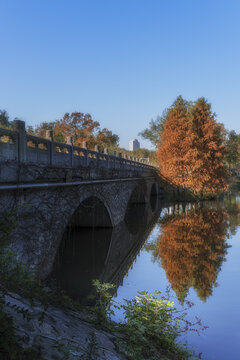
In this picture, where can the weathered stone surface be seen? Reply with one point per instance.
(44, 213)
(61, 333)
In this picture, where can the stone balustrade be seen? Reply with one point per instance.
(17, 145)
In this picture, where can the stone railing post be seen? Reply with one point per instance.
(19, 126)
(114, 160)
(105, 151)
(70, 142)
(49, 136)
(120, 160)
(134, 165)
(97, 150)
(85, 146)
(126, 163)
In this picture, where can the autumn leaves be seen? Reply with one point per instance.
(191, 151)
(192, 247)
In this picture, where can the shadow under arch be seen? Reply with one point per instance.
(92, 212)
(134, 215)
(153, 190)
(137, 195)
(83, 249)
(153, 197)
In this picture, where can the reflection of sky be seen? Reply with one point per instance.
(221, 312)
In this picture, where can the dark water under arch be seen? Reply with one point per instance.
(91, 249)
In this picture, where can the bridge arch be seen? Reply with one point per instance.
(91, 212)
(135, 207)
(54, 208)
(153, 190)
(138, 194)
(83, 248)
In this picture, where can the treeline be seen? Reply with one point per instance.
(140, 153)
(231, 140)
(81, 127)
(232, 148)
(191, 120)
(194, 151)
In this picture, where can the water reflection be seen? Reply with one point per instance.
(192, 247)
(134, 217)
(80, 259)
(192, 244)
(232, 205)
(88, 253)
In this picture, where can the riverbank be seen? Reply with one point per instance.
(234, 184)
(38, 323)
(186, 195)
(59, 334)
(48, 333)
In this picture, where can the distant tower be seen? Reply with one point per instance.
(134, 144)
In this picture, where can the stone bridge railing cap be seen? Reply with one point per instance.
(19, 125)
(49, 134)
(69, 140)
(85, 145)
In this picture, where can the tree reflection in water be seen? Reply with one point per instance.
(192, 246)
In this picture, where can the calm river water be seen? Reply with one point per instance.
(193, 250)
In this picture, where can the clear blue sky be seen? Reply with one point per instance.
(122, 61)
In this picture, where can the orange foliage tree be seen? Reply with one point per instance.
(192, 247)
(190, 152)
(78, 125)
(81, 127)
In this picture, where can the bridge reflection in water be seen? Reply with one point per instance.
(90, 250)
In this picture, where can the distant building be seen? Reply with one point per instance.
(134, 144)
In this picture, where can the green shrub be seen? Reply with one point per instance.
(104, 302)
(152, 325)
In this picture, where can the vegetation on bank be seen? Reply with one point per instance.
(152, 324)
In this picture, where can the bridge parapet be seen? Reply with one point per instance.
(17, 145)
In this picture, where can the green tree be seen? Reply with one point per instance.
(232, 145)
(106, 139)
(40, 130)
(4, 119)
(153, 132)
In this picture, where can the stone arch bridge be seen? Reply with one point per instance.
(50, 185)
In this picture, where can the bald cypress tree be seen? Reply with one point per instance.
(190, 152)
